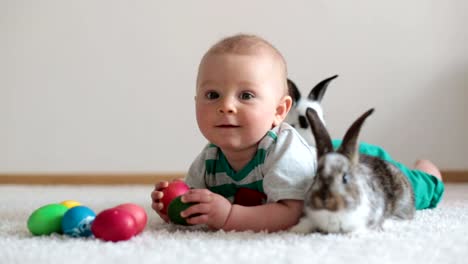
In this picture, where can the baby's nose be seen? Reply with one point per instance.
(227, 106)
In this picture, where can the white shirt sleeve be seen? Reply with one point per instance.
(290, 167)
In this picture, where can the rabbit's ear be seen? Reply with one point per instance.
(322, 138)
(349, 146)
(317, 93)
(293, 92)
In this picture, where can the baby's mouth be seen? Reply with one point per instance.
(227, 126)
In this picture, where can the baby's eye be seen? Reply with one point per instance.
(212, 95)
(246, 96)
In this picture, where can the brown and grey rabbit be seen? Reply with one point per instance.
(352, 192)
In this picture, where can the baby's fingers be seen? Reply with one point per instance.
(156, 196)
(198, 219)
(161, 185)
(197, 196)
(195, 209)
(157, 206)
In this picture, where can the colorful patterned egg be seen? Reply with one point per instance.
(77, 221)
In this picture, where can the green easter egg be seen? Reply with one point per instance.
(174, 209)
(47, 219)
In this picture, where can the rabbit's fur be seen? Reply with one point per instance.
(297, 116)
(352, 192)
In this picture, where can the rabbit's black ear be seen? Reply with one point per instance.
(322, 138)
(293, 92)
(317, 93)
(349, 146)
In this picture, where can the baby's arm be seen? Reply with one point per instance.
(218, 213)
(269, 217)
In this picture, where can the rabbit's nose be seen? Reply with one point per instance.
(303, 122)
(324, 196)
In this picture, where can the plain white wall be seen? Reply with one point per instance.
(109, 85)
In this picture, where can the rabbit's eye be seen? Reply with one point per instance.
(303, 122)
(345, 178)
(212, 95)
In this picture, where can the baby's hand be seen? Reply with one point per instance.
(212, 209)
(156, 196)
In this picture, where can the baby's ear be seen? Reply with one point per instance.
(282, 109)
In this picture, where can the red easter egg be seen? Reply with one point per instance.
(137, 212)
(114, 224)
(175, 189)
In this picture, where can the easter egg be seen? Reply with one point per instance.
(137, 212)
(173, 190)
(70, 203)
(47, 219)
(114, 224)
(174, 209)
(77, 221)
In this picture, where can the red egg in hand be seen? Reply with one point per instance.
(137, 212)
(114, 224)
(175, 189)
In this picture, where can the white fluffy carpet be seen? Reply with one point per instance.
(434, 236)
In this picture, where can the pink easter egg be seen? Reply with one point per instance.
(137, 212)
(114, 224)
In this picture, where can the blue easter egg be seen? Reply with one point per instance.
(77, 221)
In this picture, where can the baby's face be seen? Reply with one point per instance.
(238, 99)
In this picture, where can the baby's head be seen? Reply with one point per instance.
(249, 46)
(241, 91)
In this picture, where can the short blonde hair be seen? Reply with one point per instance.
(244, 44)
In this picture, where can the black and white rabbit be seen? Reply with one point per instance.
(297, 116)
(352, 192)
